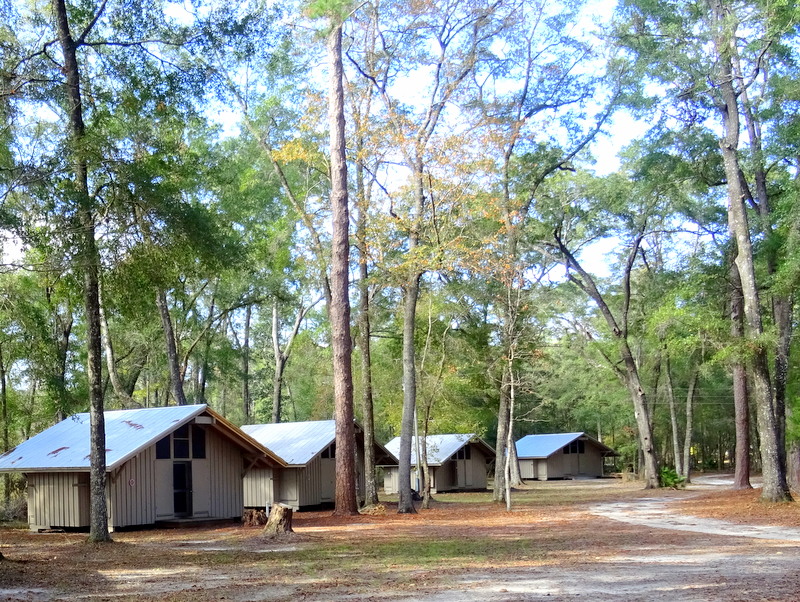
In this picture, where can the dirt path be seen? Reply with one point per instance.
(661, 514)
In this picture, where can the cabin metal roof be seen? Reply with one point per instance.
(543, 446)
(296, 443)
(65, 446)
(439, 448)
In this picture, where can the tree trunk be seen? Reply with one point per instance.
(499, 489)
(279, 523)
(405, 503)
(793, 464)
(116, 383)
(364, 332)
(346, 502)
(673, 416)
(781, 303)
(782, 315)
(775, 487)
(516, 474)
(282, 355)
(202, 370)
(643, 423)
(247, 402)
(509, 433)
(89, 258)
(367, 407)
(175, 376)
(687, 437)
(280, 365)
(422, 453)
(630, 374)
(6, 437)
(741, 477)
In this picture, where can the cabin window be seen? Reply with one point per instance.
(576, 447)
(184, 444)
(198, 442)
(464, 453)
(329, 452)
(162, 449)
(180, 442)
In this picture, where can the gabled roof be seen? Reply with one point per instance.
(296, 443)
(439, 448)
(543, 446)
(65, 446)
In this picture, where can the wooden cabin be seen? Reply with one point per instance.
(308, 450)
(163, 464)
(561, 456)
(457, 462)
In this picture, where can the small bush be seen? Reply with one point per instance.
(671, 479)
(15, 509)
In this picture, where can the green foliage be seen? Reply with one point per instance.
(669, 478)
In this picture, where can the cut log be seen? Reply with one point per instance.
(279, 522)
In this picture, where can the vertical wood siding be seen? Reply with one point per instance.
(309, 481)
(163, 500)
(226, 465)
(327, 479)
(477, 467)
(258, 492)
(132, 491)
(58, 499)
(527, 469)
(288, 488)
(390, 482)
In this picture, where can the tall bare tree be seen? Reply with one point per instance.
(89, 263)
(339, 310)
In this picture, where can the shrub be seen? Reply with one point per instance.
(669, 478)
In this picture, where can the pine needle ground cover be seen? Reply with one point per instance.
(552, 544)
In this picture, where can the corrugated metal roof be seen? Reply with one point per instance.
(65, 446)
(296, 443)
(542, 446)
(439, 447)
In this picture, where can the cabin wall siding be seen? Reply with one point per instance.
(132, 491)
(445, 477)
(527, 469)
(309, 483)
(289, 489)
(390, 481)
(58, 499)
(477, 468)
(226, 465)
(258, 488)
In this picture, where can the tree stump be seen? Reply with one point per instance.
(254, 518)
(279, 523)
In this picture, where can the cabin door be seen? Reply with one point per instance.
(463, 468)
(182, 488)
